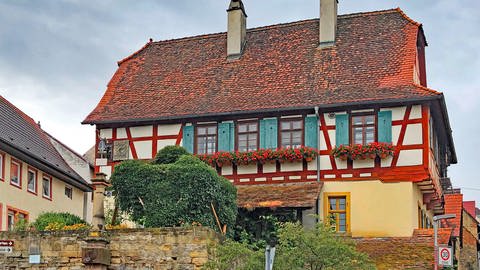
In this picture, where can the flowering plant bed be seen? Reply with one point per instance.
(260, 156)
(358, 151)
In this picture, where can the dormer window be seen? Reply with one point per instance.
(363, 129)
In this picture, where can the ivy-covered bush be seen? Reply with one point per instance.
(62, 219)
(175, 194)
(169, 154)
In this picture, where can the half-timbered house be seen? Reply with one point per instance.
(355, 79)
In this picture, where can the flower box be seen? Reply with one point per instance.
(362, 152)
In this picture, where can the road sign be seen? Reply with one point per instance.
(6, 243)
(6, 249)
(445, 256)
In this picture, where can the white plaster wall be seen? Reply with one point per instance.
(413, 134)
(269, 168)
(121, 133)
(416, 112)
(291, 166)
(367, 163)
(106, 170)
(247, 169)
(341, 164)
(329, 121)
(410, 157)
(144, 149)
(162, 143)
(395, 134)
(398, 113)
(173, 129)
(141, 131)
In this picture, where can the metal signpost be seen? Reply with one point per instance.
(436, 220)
(6, 246)
(269, 256)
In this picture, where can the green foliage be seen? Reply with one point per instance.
(235, 255)
(21, 225)
(298, 248)
(65, 219)
(174, 194)
(169, 154)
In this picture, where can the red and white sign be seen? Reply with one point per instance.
(6, 243)
(445, 256)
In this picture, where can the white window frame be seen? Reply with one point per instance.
(19, 171)
(49, 179)
(35, 180)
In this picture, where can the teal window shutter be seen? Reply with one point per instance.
(341, 129)
(385, 126)
(187, 141)
(268, 133)
(225, 137)
(311, 131)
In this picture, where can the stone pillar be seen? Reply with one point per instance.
(99, 184)
(96, 255)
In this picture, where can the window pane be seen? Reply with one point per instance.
(341, 204)
(357, 135)
(31, 181)
(46, 187)
(369, 119)
(242, 128)
(333, 203)
(357, 120)
(253, 127)
(201, 131)
(212, 130)
(285, 125)
(297, 125)
(370, 134)
(15, 173)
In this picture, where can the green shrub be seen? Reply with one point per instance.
(44, 219)
(174, 194)
(21, 225)
(169, 154)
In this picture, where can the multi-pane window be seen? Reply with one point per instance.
(47, 187)
(363, 129)
(13, 216)
(206, 139)
(32, 181)
(68, 192)
(337, 212)
(15, 171)
(291, 132)
(247, 136)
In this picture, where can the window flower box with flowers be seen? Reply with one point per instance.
(360, 152)
(261, 156)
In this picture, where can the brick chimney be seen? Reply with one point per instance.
(328, 22)
(237, 29)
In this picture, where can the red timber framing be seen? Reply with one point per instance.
(421, 174)
(131, 141)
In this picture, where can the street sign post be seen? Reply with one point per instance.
(445, 256)
(6, 246)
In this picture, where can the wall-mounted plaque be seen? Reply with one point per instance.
(121, 150)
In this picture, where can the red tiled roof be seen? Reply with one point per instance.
(444, 234)
(469, 206)
(281, 68)
(298, 195)
(454, 205)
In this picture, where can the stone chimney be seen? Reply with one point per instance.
(328, 23)
(237, 29)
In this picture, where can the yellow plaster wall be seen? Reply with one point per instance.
(35, 204)
(378, 209)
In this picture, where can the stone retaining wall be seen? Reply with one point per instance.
(162, 248)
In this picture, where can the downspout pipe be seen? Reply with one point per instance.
(317, 114)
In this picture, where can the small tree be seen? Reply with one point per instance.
(298, 249)
(174, 194)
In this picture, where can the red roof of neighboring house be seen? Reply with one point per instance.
(24, 139)
(281, 68)
(454, 205)
(469, 206)
(444, 234)
(297, 195)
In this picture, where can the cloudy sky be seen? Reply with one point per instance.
(56, 57)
